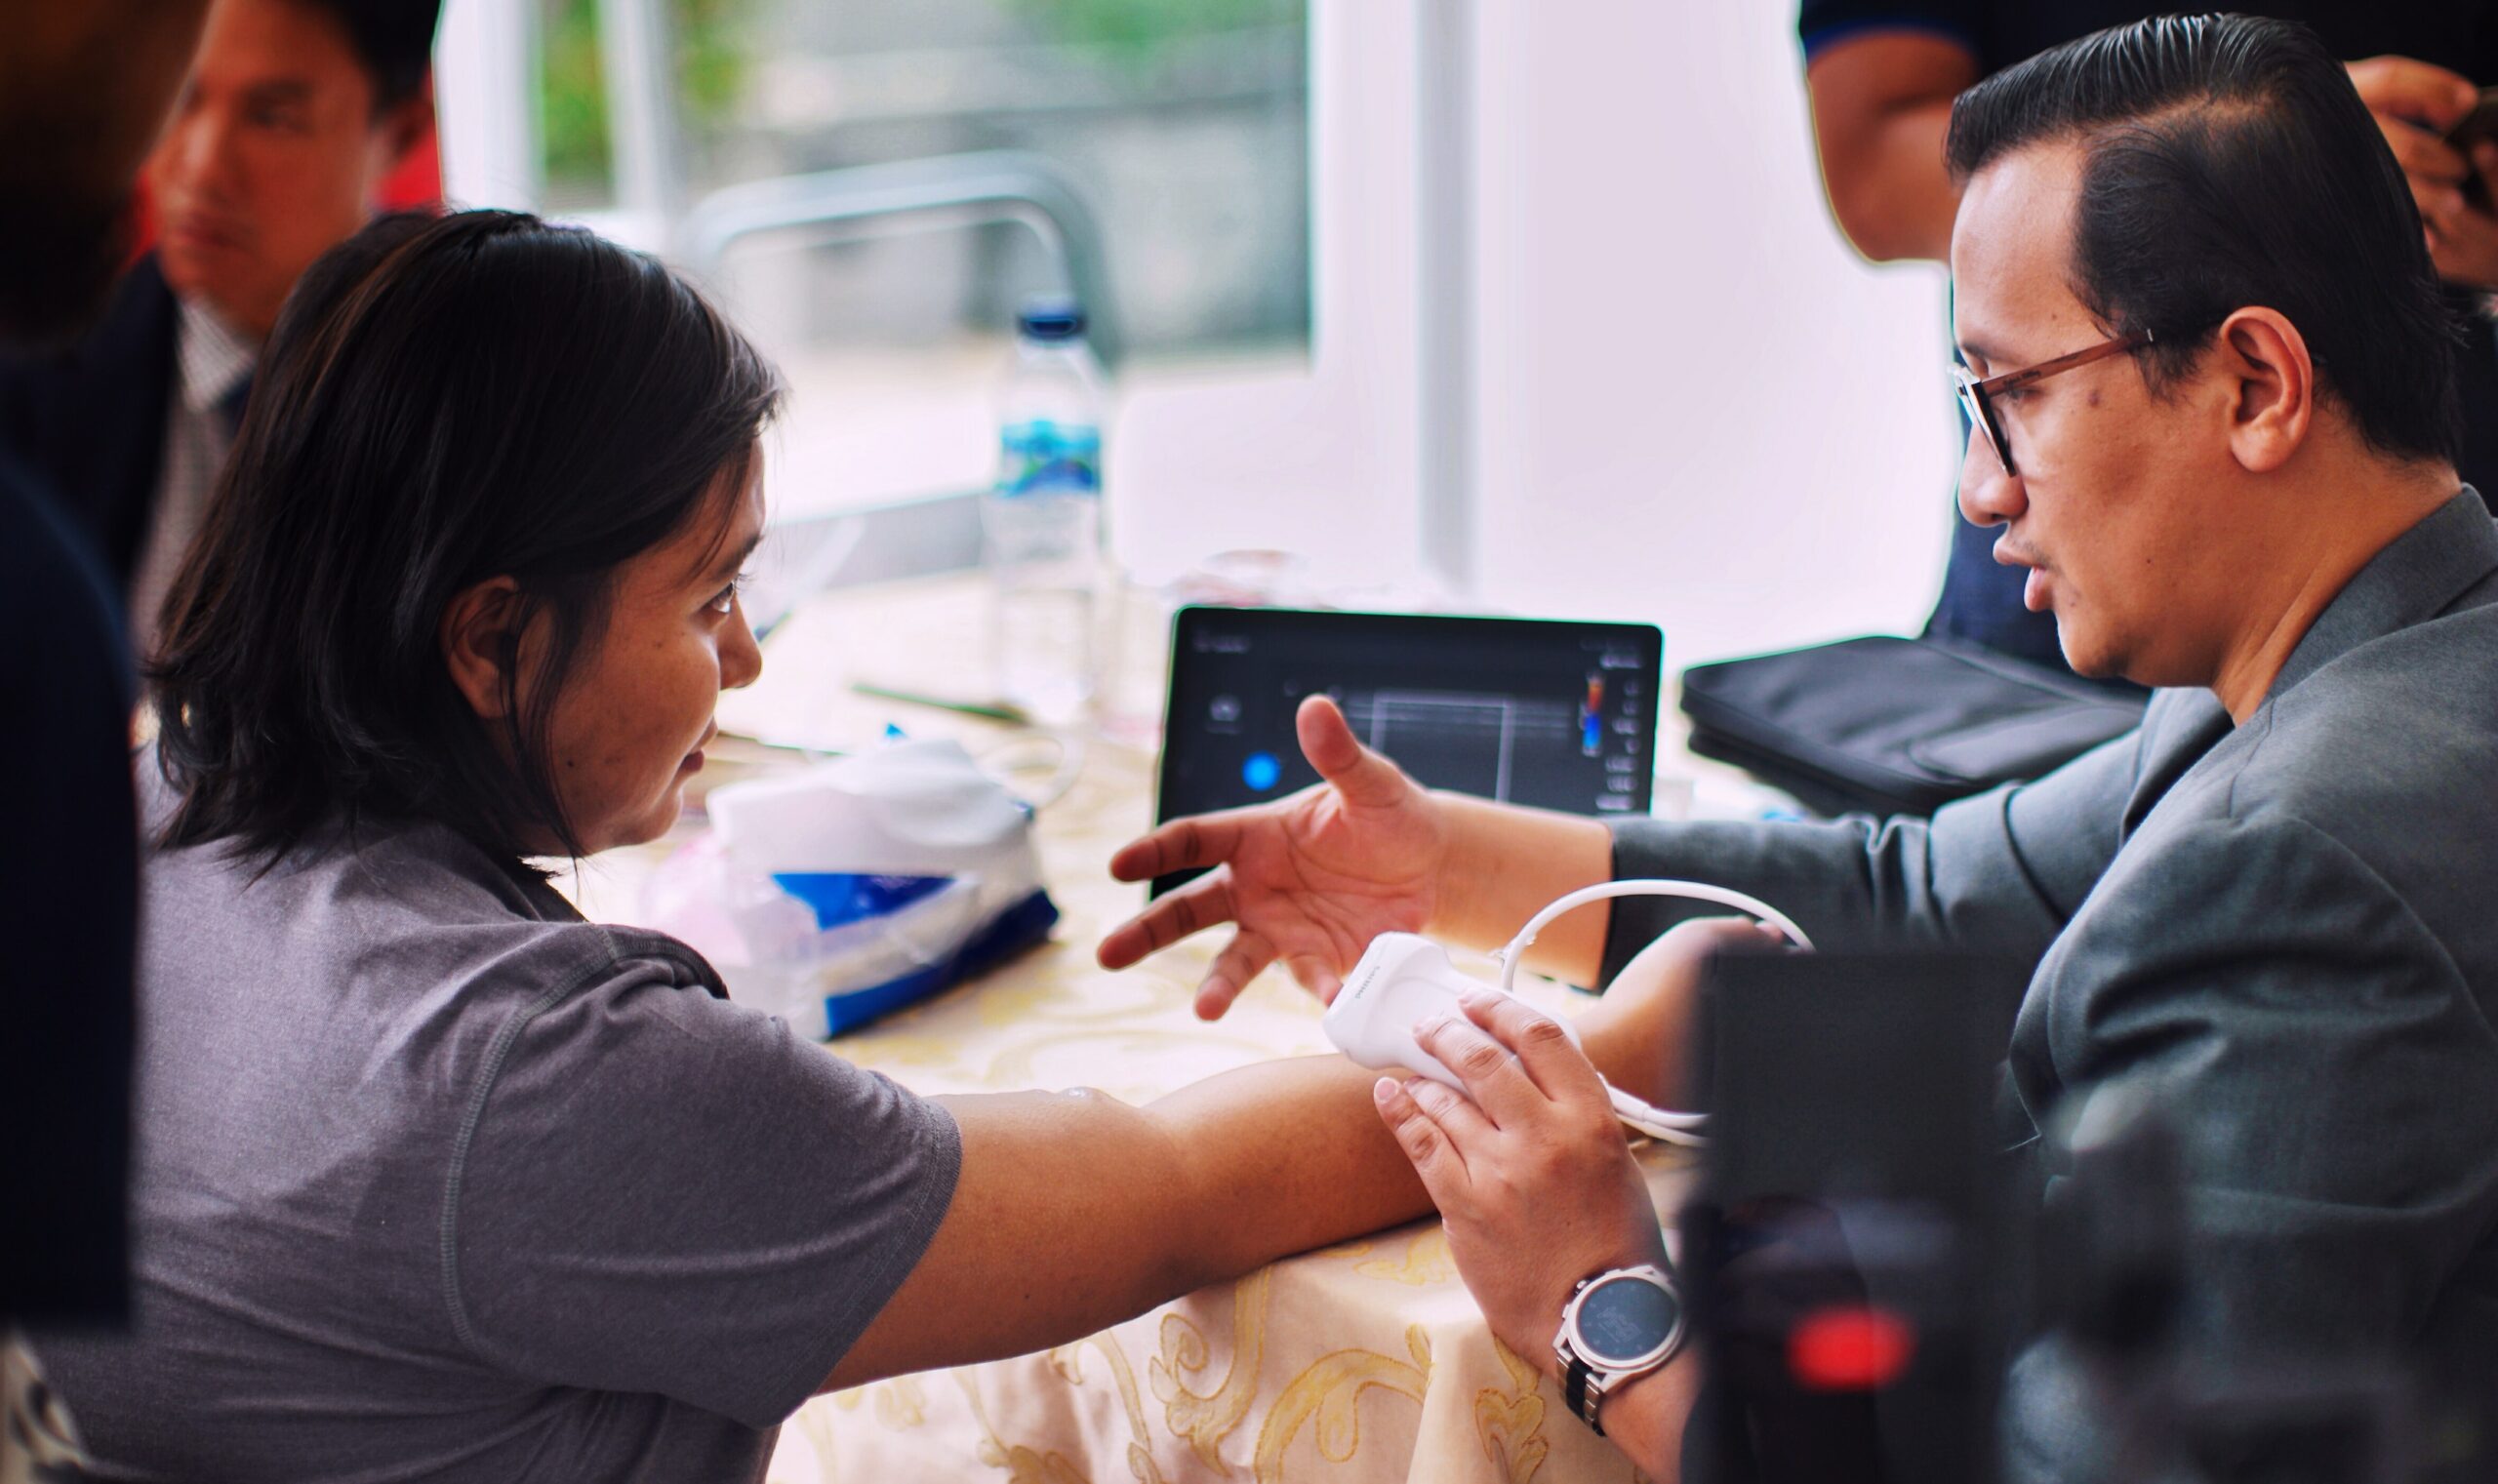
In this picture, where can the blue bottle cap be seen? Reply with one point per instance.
(1050, 317)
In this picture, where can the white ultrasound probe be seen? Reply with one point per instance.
(1405, 982)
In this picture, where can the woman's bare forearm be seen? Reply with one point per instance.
(1282, 1157)
(1075, 1211)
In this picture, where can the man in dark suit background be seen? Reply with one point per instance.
(294, 115)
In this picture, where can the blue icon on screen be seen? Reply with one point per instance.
(1260, 771)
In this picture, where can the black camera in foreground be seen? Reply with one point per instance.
(1900, 1278)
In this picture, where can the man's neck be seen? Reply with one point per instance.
(2326, 534)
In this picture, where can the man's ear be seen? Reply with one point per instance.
(481, 632)
(2271, 386)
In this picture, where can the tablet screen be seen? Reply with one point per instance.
(1548, 714)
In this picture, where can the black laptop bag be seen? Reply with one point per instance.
(1895, 725)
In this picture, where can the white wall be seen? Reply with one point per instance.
(1318, 458)
(1697, 406)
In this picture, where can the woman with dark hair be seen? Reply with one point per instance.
(439, 1181)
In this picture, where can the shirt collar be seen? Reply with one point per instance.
(215, 359)
(2413, 580)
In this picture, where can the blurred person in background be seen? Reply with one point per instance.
(294, 113)
(1883, 75)
(83, 91)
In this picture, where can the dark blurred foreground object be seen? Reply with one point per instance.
(1848, 1268)
(1887, 725)
(68, 909)
(88, 419)
(83, 89)
(1894, 1282)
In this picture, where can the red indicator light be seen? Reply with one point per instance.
(1850, 1347)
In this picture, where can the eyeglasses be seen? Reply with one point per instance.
(1976, 398)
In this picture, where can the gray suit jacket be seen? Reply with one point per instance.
(2287, 930)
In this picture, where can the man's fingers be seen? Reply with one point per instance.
(2457, 224)
(1460, 1122)
(1550, 1059)
(2464, 245)
(1361, 776)
(1241, 960)
(2424, 158)
(2408, 87)
(1315, 975)
(1435, 1158)
(1193, 908)
(1493, 1078)
(1206, 839)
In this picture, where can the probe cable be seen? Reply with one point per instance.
(1666, 1124)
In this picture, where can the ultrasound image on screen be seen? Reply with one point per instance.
(1556, 715)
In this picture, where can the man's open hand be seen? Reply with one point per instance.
(1309, 880)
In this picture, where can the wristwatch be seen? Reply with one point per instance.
(1618, 1325)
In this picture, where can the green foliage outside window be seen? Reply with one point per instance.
(711, 63)
(710, 60)
(1140, 24)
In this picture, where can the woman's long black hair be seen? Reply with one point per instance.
(444, 401)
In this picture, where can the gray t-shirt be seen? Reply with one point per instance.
(436, 1180)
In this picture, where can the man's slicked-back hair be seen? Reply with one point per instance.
(392, 38)
(445, 401)
(2229, 164)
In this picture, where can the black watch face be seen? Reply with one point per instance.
(1624, 1320)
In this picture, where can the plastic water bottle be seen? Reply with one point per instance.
(1046, 545)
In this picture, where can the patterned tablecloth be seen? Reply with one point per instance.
(1362, 1362)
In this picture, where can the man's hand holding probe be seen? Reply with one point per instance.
(1535, 1182)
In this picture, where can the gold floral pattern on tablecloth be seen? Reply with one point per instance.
(1331, 1392)
(1427, 1260)
(1512, 1422)
(1206, 1419)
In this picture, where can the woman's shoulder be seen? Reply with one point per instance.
(399, 917)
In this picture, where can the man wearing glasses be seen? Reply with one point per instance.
(1882, 74)
(2215, 429)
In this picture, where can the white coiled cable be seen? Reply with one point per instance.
(1658, 1123)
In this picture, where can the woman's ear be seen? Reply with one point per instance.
(481, 630)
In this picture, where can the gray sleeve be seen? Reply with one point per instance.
(2333, 1071)
(2000, 874)
(665, 1192)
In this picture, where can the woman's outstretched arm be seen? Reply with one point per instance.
(1075, 1210)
